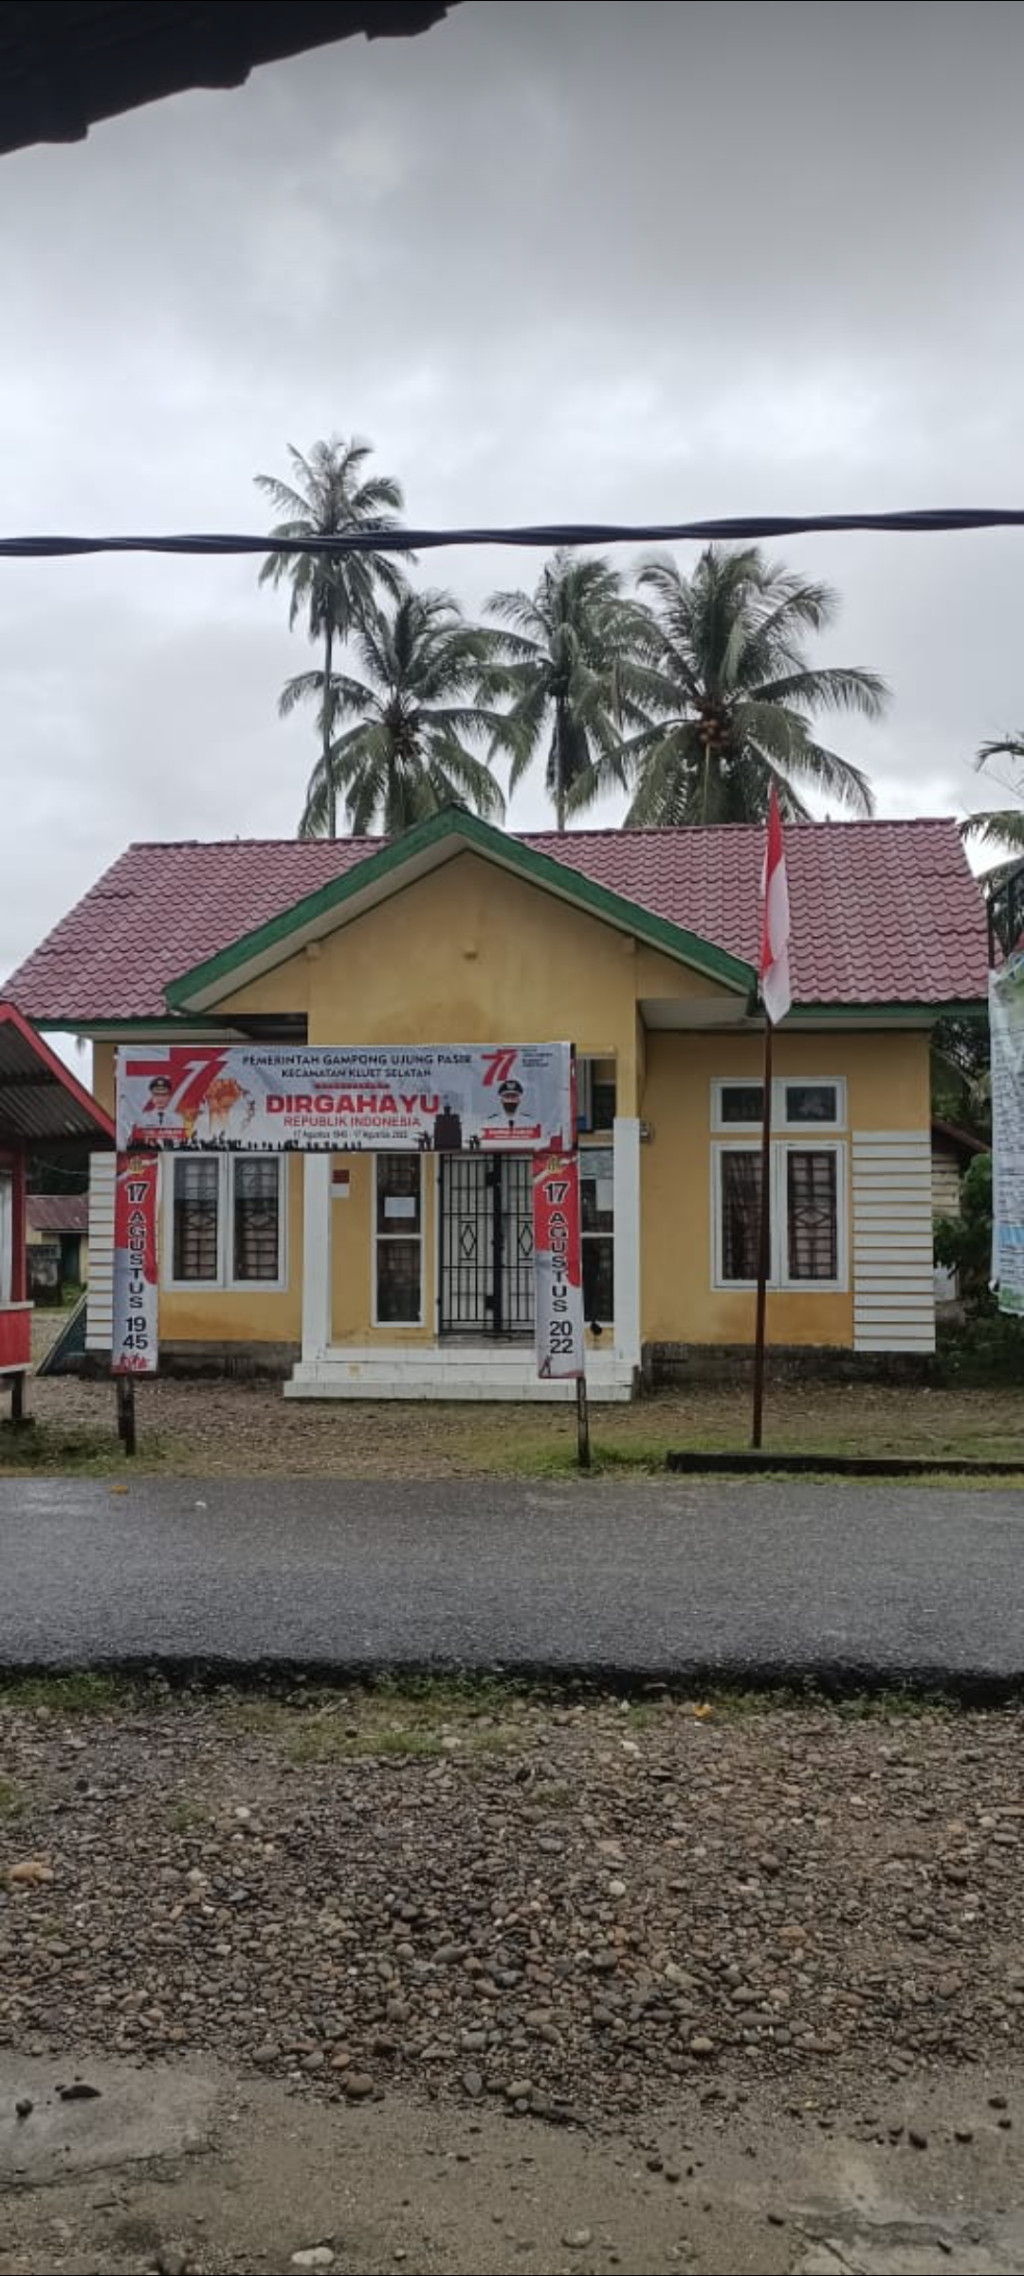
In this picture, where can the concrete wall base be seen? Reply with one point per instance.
(667, 1365)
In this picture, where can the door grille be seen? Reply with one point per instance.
(486, 1277)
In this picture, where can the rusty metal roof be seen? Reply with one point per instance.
(57, 1212)
(41, 1101)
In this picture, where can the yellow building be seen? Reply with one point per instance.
(410, 1275)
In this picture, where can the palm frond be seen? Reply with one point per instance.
(570, 659)
(999, 828)
(726, 681)
(1007, 747)
(417, 713)
(834, 688)
(833, 776)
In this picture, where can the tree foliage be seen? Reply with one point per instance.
(418, 714)
(731, 696)
(330, 494)
(567, 657)
(1000, 826)
(964, 1244)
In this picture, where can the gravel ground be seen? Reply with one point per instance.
(568, 1907)
(239, 1429)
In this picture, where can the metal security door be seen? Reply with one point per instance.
(486, 1279)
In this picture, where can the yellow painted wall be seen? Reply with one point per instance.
(249, 1315)
(471, 954)
(352, 1259)
(242, 1315)
(103, 1074)
(284, 989)
(887, 1078)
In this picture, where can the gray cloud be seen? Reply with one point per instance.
(556, 259)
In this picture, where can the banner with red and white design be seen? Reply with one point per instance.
(136, 1280)
(508, 1098)
(558, 1265)
(776, 993)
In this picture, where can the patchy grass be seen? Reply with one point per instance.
(464, 1717)
(245, 1429)
(82, 1692)
(867, 1706)
(12, 1800)
(553, 1795)
(43, 1448)
(333, 1741)
(644, 1714)
(391, 1717)
(185, 1815)
(712, 1707)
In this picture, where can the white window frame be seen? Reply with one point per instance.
(377, 1237)
(224, 1283)
(779, 1278)
(780, 1120)
(599, 1146)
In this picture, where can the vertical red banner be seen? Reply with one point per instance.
(558, 1265)
(135, 1338)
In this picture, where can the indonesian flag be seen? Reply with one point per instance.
(776, 994)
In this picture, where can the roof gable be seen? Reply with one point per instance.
(395, 864)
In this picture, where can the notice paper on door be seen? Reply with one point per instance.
(400, 1205)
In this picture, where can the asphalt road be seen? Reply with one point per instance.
(629, 1579)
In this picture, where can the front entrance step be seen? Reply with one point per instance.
(450, 1372)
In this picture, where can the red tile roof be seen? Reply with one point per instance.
(58, 1212)
(883, 912)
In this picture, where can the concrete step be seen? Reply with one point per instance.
(454, 1372)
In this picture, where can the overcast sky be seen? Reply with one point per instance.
(637, 261)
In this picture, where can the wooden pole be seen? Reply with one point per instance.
(126, 1412)
(582, 1424)
(763, 1237)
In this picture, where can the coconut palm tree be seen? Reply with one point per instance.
(1003, 826)
(731, 696)
(565, 655)
(329, 494)
(416, 714)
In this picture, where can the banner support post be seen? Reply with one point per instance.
(582, 1424)
(126, 1412)
(763, 1237)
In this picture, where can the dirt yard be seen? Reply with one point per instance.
(249, 1429)
(467, 1978)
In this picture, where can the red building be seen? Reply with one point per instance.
(42, 1106)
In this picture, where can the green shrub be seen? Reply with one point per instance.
(964, 1244)
(986, 1347)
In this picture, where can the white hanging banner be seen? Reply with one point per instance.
(558, 1265)
(1006, 1025)
(500, 1098)
(135, 1339)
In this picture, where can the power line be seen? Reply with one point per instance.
(918, 521)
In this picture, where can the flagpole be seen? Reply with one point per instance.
(763, 1236)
